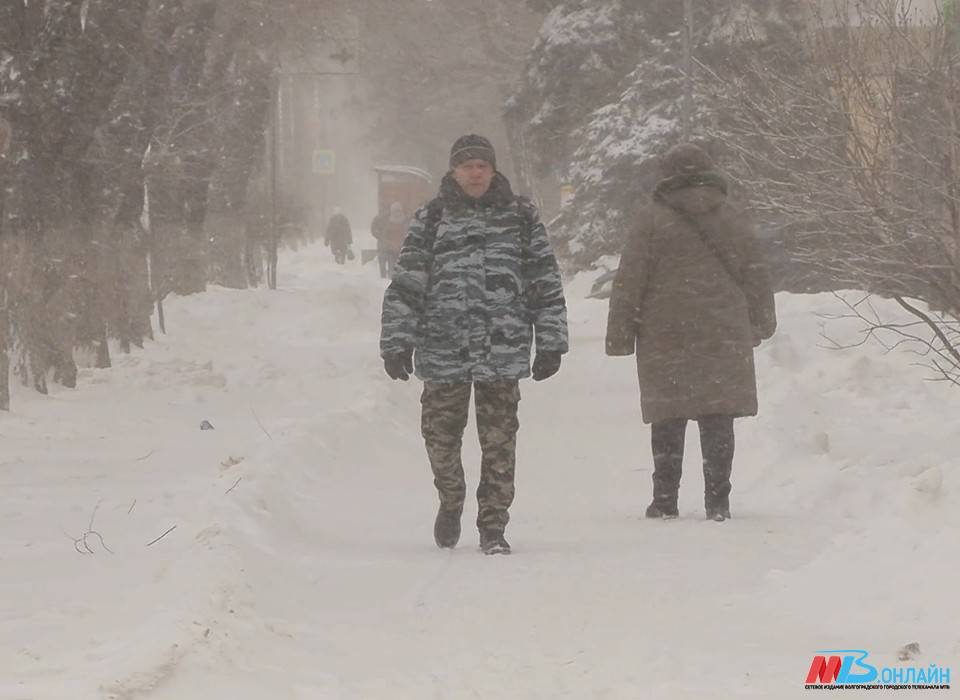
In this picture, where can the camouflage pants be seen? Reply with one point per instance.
(443, 420)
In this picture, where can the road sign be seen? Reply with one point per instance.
(324, 162)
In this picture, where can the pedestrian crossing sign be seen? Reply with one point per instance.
(324, 162)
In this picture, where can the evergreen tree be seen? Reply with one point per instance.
(604, 94)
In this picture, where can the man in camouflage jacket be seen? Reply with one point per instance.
(475, 283)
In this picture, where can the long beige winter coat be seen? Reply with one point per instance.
(692, 320)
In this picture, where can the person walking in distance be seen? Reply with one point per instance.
(339, 237)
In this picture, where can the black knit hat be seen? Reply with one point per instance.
(472, 146)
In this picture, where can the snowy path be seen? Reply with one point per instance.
(302, 563)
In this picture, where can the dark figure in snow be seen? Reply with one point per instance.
(692, 298)
(378, 229)
(390, 232)
(475, 284)
(339, 237)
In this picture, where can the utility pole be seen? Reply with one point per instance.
(274, 242)
(688, 69)
(275, 144)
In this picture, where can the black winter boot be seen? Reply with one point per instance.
(667, 443)
(446, 528)
(717, 445)
(493, 542)
(718, 512)
(716, 499)
(664, 511)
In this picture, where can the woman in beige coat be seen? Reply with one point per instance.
(692, 298)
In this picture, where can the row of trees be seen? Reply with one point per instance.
(132, 139)
(837, 121)
(135, 146)
(129, 123)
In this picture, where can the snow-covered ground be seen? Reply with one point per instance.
(302, 563)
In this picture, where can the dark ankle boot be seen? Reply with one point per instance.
(718, 510)
(666, 485)
(667, 444)
(716, 496)
(446, 528)
(664, 511)
(493, 542)
(717, 444)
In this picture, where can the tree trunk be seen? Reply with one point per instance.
(4, 335)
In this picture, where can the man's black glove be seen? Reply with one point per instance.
(546, 364)
(399, 365)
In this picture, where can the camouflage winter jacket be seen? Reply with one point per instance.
(475, 281)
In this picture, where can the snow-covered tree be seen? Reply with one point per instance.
(604, 92)
(120, 113)
(61, 64)
(115, 113)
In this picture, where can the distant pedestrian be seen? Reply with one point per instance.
(339, 237)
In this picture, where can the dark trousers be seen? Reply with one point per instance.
(387, 259)
(716, 444)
